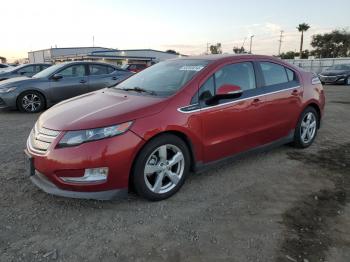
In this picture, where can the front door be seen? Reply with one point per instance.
(228, 125)
(73, 82)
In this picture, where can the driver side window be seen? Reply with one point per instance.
(73, 71)
(239, 74)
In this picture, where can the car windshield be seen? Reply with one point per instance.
(340, 67)
(124, 66)
(164, 78)
(48, 71)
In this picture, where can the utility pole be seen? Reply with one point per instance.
(251, 43)
(279, 47)
(93, 41)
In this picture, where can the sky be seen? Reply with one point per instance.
(184, 25)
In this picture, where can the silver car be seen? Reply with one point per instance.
(57, 83)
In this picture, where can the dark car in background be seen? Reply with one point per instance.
(57, 83)
(2, 66)
(134, 67)
(22, 70)
(337, 74)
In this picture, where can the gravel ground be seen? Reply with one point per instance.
(281, 205)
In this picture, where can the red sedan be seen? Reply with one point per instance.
(177, 116)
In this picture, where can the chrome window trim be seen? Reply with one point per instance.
(233, 102)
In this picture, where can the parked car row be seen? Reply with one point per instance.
(49, 85)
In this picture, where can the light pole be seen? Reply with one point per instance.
(251, 43)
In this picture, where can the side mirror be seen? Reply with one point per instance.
(57, 77)
(228, 91)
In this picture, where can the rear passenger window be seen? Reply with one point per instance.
(273, 73)
(111, 69)
(98, 70)
(291, 75)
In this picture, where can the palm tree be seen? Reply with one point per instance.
(302, 28)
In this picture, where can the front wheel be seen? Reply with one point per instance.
(161, 167)
(306, 130)
(31, 102)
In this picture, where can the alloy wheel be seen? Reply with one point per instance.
(31, 102)
(308, 127)
(164, 169)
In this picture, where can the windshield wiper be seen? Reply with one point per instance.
(139, 90)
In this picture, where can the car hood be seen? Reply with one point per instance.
(334, 72)
(15, 81)
(99, 109)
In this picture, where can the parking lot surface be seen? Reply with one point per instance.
(282, 205)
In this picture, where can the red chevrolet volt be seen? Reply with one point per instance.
(151, 130)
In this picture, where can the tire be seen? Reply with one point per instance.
(31, 102)
(156, 177)
(309, 120)
(347, 81)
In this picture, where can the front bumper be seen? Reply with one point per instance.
(116, 153)
(47, 186)
(8, 100)
(332, 79)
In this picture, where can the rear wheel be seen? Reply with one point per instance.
(347, 81)
(31, 102)
(306, 130)
(161, 167)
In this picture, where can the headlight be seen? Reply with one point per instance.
(74, 138)
(4, 90)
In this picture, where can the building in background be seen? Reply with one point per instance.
(101, 54)
(2, 59)
(54, 55)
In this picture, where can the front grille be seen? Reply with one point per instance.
(40, 139)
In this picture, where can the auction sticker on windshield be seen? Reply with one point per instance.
(196, 68)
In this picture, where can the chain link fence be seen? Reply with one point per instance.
(318, 65)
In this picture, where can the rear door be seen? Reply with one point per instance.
(74, 82)
(101, 76)
(282, 95)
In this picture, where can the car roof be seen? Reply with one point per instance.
(225, 56)
(85, 62)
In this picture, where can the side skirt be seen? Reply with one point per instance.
(200, 166)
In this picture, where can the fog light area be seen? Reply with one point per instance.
(91, 175)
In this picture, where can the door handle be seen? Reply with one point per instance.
(256, 101)
(82, 81)
(114, 78)
(295, 92)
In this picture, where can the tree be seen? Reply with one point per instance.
(170, 51)
(334, 44)
(216, 49)
(289, 55)
(239, 50)
(302, 28)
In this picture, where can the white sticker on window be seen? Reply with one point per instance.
(192, 68)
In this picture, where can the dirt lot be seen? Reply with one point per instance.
(282, 205)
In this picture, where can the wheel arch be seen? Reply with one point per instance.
(177, 133)
(318, 110)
